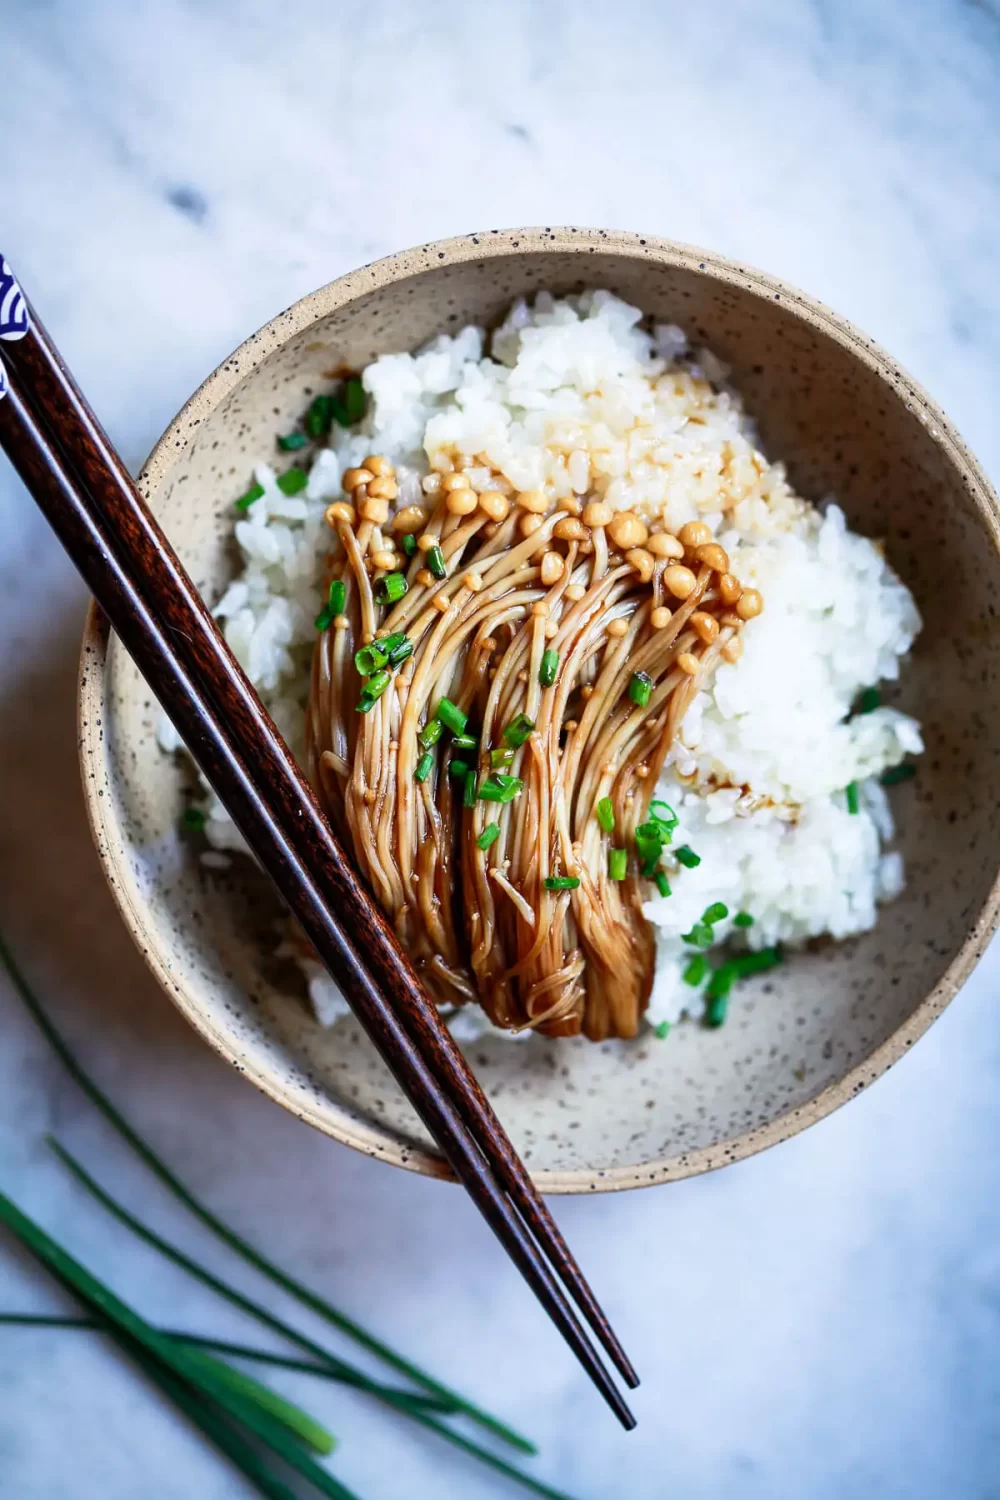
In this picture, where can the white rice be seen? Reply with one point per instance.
(575, 396)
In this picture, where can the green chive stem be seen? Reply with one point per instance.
(606, 814)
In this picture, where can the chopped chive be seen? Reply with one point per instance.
(717, 912)
(293, 481)
(431, 733)
(388, 643)
(320, 415)
(253, 493)
(391, 588)
(743, 919)
(451, 716)
(695, 970)
(400, 651)
(465, 742)
(373, 689)
(895, 774)
(640, 688)
(503, 756)
(718, 1006)
(662, 883)
(370, 659)
(292, 441)
(242, 1247)
(560, 882)
(409, 544)
(424, 765)
(549, 669)
(337, 597)
(687, 857)
(617, 863)
(500, 788)
(435, 561)
(700, 936)
(459, 767)
(869, 700)
(518, 730)
(605, 811)
(663, 1030)
(469, 790)
(324, 619)
(668, 817)
(489, 836)
(746, 964)
(649, 845)
(193, 818)
(851, 793)
(354, 401)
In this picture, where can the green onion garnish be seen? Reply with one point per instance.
(431, 733)
(193, 818)
(758, 963)
(687, 857)
(549, 669)
(369, 659)
(869, 700)
(700, 936)
(518, 730)
(319, 416)
(489, 836)
(409, 544)
(391, 588)
(617, 863)
(465, 742)
(895, 774)
(851, 793)
(605, 810)
(435, 561)
(504, 756)
(500, 788)
(662, 883)
(469, 790)
(459, 767)
(253, 493)
(663, 1030)
(718, 1005)
(424, 766)
(451, 716)
(717, 912)
(373, 689)
(560, 882)
(337, 597)
(695, 970)
(354, 402)
(743, 919)
(649, 842)
(292, 481)
(640, 688)
(667, 817)
(292, 442)
(400, 651)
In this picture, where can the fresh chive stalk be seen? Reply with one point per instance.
(560, 882)
(409, 544)
(605, 810)
(895, 774)
(469, 790)
(370, 659)
(502, 756)
(319, 417)
(687, 857)
(401, 651)
(424, 765)
(193, 819)
(549, 669)
(743, 919)
(700, 936)
(336, 601)
(617, 863)
(293, 481)
(668, 818)
(851, 794)
(465, 742)
(436, 563)
(717, 912)
(500, 788)
(695, 970)
(488, 837)
(253, 1257)
(391, 588)
(869, 700)
(431, 733)
(662, 883)
(292, 441)
(518, 730)
(459, 767)
(253, 493)
(373, 689)
(353, 402)
(663, 1030)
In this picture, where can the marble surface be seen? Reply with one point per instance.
(821, 1320)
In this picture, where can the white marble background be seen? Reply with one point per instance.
(821, 1321)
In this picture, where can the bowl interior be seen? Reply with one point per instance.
(618, 1114)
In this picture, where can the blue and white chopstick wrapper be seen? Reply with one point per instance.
(13, 314)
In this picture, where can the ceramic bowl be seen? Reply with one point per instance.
(850, 423)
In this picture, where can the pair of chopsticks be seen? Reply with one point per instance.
(82, 487)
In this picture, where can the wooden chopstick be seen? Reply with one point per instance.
(80, 483)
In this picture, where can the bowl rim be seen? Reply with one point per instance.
(368, 1137)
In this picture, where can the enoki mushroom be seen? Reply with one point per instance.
(539, 658)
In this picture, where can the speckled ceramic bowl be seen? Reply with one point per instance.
(585, 1117)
